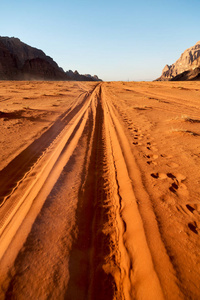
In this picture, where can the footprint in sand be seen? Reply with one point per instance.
(174, 187)
(194, 208)
(152, 159)
(151, 148)
(138, 136)
(159, 175)
(137, 143)
(193, 227)
(149, 162)
(177, 186)
(190, 208)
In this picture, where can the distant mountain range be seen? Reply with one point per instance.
(187, 67)
(19, 61)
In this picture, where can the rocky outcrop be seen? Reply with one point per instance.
(78, 77)
(19, 61)
(94, 77)
(188, 75)
(8, 63)
(24, 52)
(188, 61)
(38, 68)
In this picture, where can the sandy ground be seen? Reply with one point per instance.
(99, 190)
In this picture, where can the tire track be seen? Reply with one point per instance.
(158, 259)
(94, 260)
(140, 279)
(19, 166)
(36, 178)
(112, 256)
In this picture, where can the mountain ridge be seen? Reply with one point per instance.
(19, 61)
(188, 62)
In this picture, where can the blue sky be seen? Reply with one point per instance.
(117, 40)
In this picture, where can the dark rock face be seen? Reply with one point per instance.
(39, 68)
(188, 61)
(24, 52)
(188, 75)
(8, 63)
(19, 61)
(78, 77)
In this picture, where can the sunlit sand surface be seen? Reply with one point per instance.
(100, 190)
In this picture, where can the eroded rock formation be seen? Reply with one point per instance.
(19, 61)
(188, 62)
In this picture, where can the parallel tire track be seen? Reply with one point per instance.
(140, 279)
(19, 166)
(26, 179)
(110, 255)
(155, 248)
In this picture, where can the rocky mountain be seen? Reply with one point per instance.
(78, 77)
(188, 62)
(19, 61)
(188, 75)
(41, 69)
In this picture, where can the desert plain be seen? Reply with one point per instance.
(99, 190)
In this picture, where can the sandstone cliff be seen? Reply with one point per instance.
(188, 75)
(19, 61)
(188, 62)
(38, 68)
(78, 77)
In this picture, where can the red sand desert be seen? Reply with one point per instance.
(99, 190)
